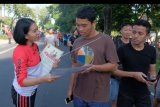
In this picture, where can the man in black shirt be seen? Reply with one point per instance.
(126, 33)
(72, 39)
(137, 57)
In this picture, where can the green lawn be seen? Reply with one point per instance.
(3, 36)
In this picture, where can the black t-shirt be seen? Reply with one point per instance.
(133, 60)
(118, 43)
(72, 39)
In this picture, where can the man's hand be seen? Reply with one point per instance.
(88, 69)
(140, 76)
(152, 80)
(69, 94)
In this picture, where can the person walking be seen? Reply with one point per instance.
(51, 38)
(72, 39)
(126, 33)
(156, 100)
(8, 32)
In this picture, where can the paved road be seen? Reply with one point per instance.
(48, 95)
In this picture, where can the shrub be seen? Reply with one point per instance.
(2, 36)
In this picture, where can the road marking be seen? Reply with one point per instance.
(7, 50)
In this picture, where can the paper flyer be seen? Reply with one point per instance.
(62, 71)
(49, 55)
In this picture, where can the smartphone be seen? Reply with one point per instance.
(145, 78)
(67, 100)
(153, 80)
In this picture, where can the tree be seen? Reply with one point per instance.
(17, 11)
(107, 19)
(43, 16)
(121, 13)
(64, 15)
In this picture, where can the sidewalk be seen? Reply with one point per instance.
(5, 41)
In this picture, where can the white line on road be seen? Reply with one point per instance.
(7, 50)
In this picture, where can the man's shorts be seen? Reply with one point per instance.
(157, 89)
(114, 88)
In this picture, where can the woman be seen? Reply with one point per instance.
(27, 67)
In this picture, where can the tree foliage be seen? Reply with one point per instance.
(66, 19)
(17, 11)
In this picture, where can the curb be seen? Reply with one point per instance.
(5, 41)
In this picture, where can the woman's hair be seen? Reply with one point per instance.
(21, 30)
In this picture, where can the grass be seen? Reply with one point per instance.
(3, 36)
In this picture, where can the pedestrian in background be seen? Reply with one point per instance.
(8, 32)
(65, 39)
(27, 67)
(51, 38)
(156, 100)
(126, 33)
(73, 37)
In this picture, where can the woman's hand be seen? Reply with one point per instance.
(50, 78)
(55, 64)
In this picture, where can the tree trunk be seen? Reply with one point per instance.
(107, 19)
(156, 40)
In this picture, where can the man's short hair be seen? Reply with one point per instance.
(21, 30)
(87, 12)
(125, 24)
(145, 23)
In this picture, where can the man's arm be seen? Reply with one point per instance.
(152, 74)
(140, 76)
(108, 67)
(152, 70)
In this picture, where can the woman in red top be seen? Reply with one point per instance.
(27, 66)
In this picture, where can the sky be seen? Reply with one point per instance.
(37, 5)
(40, 5)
